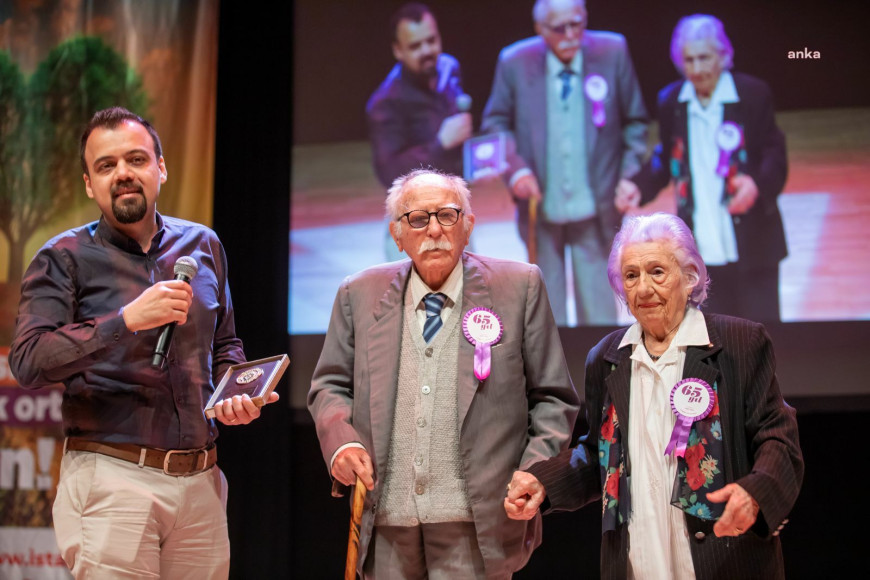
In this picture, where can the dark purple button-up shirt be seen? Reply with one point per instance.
(69, 330)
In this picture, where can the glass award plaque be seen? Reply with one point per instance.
(484, 156)
(257, 379)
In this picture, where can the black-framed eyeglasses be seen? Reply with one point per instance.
(419, 218)
(563, 28)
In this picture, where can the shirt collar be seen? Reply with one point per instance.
(452, 287)
(555, 66)
(692, 331)
(725, 92)
(106, 231)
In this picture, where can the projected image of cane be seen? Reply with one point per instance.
(532, 236)
(356, 509)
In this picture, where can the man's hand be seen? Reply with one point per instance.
(745, 194)
(352, 462)
(160, 304)
(455, 130)
(524, 496)
(740, 512)
(527, 187)
(627, 196)
(239, 410)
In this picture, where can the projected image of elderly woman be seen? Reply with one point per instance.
(691, 448)
(723, 160)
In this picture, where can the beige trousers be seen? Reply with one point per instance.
(114, 519)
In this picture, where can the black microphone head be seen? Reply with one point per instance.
(186, 266)
(463, 102)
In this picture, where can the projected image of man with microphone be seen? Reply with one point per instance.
(139, 354)
(419, 115)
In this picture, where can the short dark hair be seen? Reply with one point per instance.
(413, 11)
(109, 119)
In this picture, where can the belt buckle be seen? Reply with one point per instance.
(169, 454)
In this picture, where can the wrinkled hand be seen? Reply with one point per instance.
(527, 187)
(352, 462)
(455, 130)
(740, 512)
(627, 196)
(239, 410)
(165, 302)
(524, 496)
(745, 194)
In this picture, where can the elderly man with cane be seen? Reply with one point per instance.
(439, 377)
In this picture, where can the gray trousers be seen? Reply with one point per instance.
(593, 297)
(444, 551)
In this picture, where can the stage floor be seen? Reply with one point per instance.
(337, 224)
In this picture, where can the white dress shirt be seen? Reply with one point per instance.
(714, 230)
(659, 538)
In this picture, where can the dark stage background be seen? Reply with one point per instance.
(283, 522)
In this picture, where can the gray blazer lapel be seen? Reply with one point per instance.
(591, 66)
(384, 340)
(475, 293)
(536, 73)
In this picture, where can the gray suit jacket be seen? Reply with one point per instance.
(518, 105)
(522, 414)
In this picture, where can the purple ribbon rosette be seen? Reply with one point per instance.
(729, 136)
(482, 328)
(595, 87)
(691, 400)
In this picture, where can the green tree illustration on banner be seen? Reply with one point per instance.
(41, 120)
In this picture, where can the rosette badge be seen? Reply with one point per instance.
(482, 328)
(691, 400)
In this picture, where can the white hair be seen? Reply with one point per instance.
(701, 27)
(542, 9)
(396, 194)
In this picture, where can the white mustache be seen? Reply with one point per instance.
(429, 245)
(566, 44)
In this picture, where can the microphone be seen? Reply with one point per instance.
(185, 269)
(463, 102)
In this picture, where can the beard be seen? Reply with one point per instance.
(429, 66)
(129, 210)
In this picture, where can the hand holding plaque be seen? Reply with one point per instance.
(257, 379)
(484, 157)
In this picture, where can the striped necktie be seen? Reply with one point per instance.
(434, 303)
(565, 75)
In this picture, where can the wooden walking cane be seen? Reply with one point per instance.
(356, 510)
(533, 222)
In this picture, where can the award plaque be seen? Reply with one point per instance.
(257, 379)
(484, 156)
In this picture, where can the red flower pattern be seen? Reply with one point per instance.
(612, 485)
(695, 478)
(607, 425)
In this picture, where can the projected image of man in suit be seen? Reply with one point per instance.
(570, 100)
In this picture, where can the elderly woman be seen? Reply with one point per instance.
(690, 448)
(724, 158)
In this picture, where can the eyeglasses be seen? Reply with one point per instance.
(418, 218)
(563, 28)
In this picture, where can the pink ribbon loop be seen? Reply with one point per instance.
(599, 117)
(482, 327)
(482, 361)
(679, 437)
